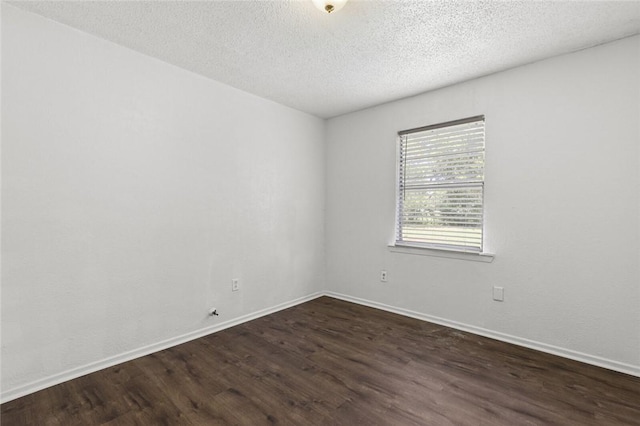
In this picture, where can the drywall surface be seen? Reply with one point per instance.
(133, 192)
(562, 205)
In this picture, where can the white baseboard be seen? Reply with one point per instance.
(64, 376)
(55, 379)
(621, 367)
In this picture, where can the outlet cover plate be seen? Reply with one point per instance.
(498, 294)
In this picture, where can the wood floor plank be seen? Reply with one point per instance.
(330, 362)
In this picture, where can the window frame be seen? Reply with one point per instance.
(443, 250)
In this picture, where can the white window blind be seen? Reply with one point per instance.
(440, 186)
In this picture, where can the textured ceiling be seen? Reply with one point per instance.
(368, 53)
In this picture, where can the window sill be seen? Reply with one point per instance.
(450, 254)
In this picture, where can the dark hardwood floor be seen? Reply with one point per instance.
(330, 362)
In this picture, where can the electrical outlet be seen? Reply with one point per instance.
(498, 294)
(383, 276)
(235, 284)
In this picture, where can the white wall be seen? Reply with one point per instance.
(562, 206)
(133, 192)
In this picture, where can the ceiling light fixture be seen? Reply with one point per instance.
(329, 6)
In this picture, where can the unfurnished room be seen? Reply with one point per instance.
(320, 212)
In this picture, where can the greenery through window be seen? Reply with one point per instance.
(441, 186)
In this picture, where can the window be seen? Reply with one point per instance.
(440, 186)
